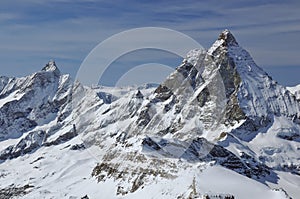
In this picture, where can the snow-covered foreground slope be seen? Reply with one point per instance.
(217, 127)
(64, 173)
(59, 172)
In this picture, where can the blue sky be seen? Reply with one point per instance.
(35, 31)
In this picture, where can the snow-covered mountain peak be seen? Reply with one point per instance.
(225, 41)
(51, 66)
(227, 38)
(257, 93)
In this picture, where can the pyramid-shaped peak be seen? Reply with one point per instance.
(51, 66)
(228, 37)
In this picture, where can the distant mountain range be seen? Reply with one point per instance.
(217, 127)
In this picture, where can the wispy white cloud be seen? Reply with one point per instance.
(4, 17)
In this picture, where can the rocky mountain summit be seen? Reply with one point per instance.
(217, 121)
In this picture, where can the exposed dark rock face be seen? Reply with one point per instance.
(135, 176)
(139, 95)
(163, 93)
(26, 145)
(203, 97)
(144, 117)
(78, 147)
(200, 150)
(3, 82)
(85, 197)
(106, 97)
(249, 129)
(292, 136)
(62, 138)
(150, 143)
(13, 191)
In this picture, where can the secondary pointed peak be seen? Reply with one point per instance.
(51, 66)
